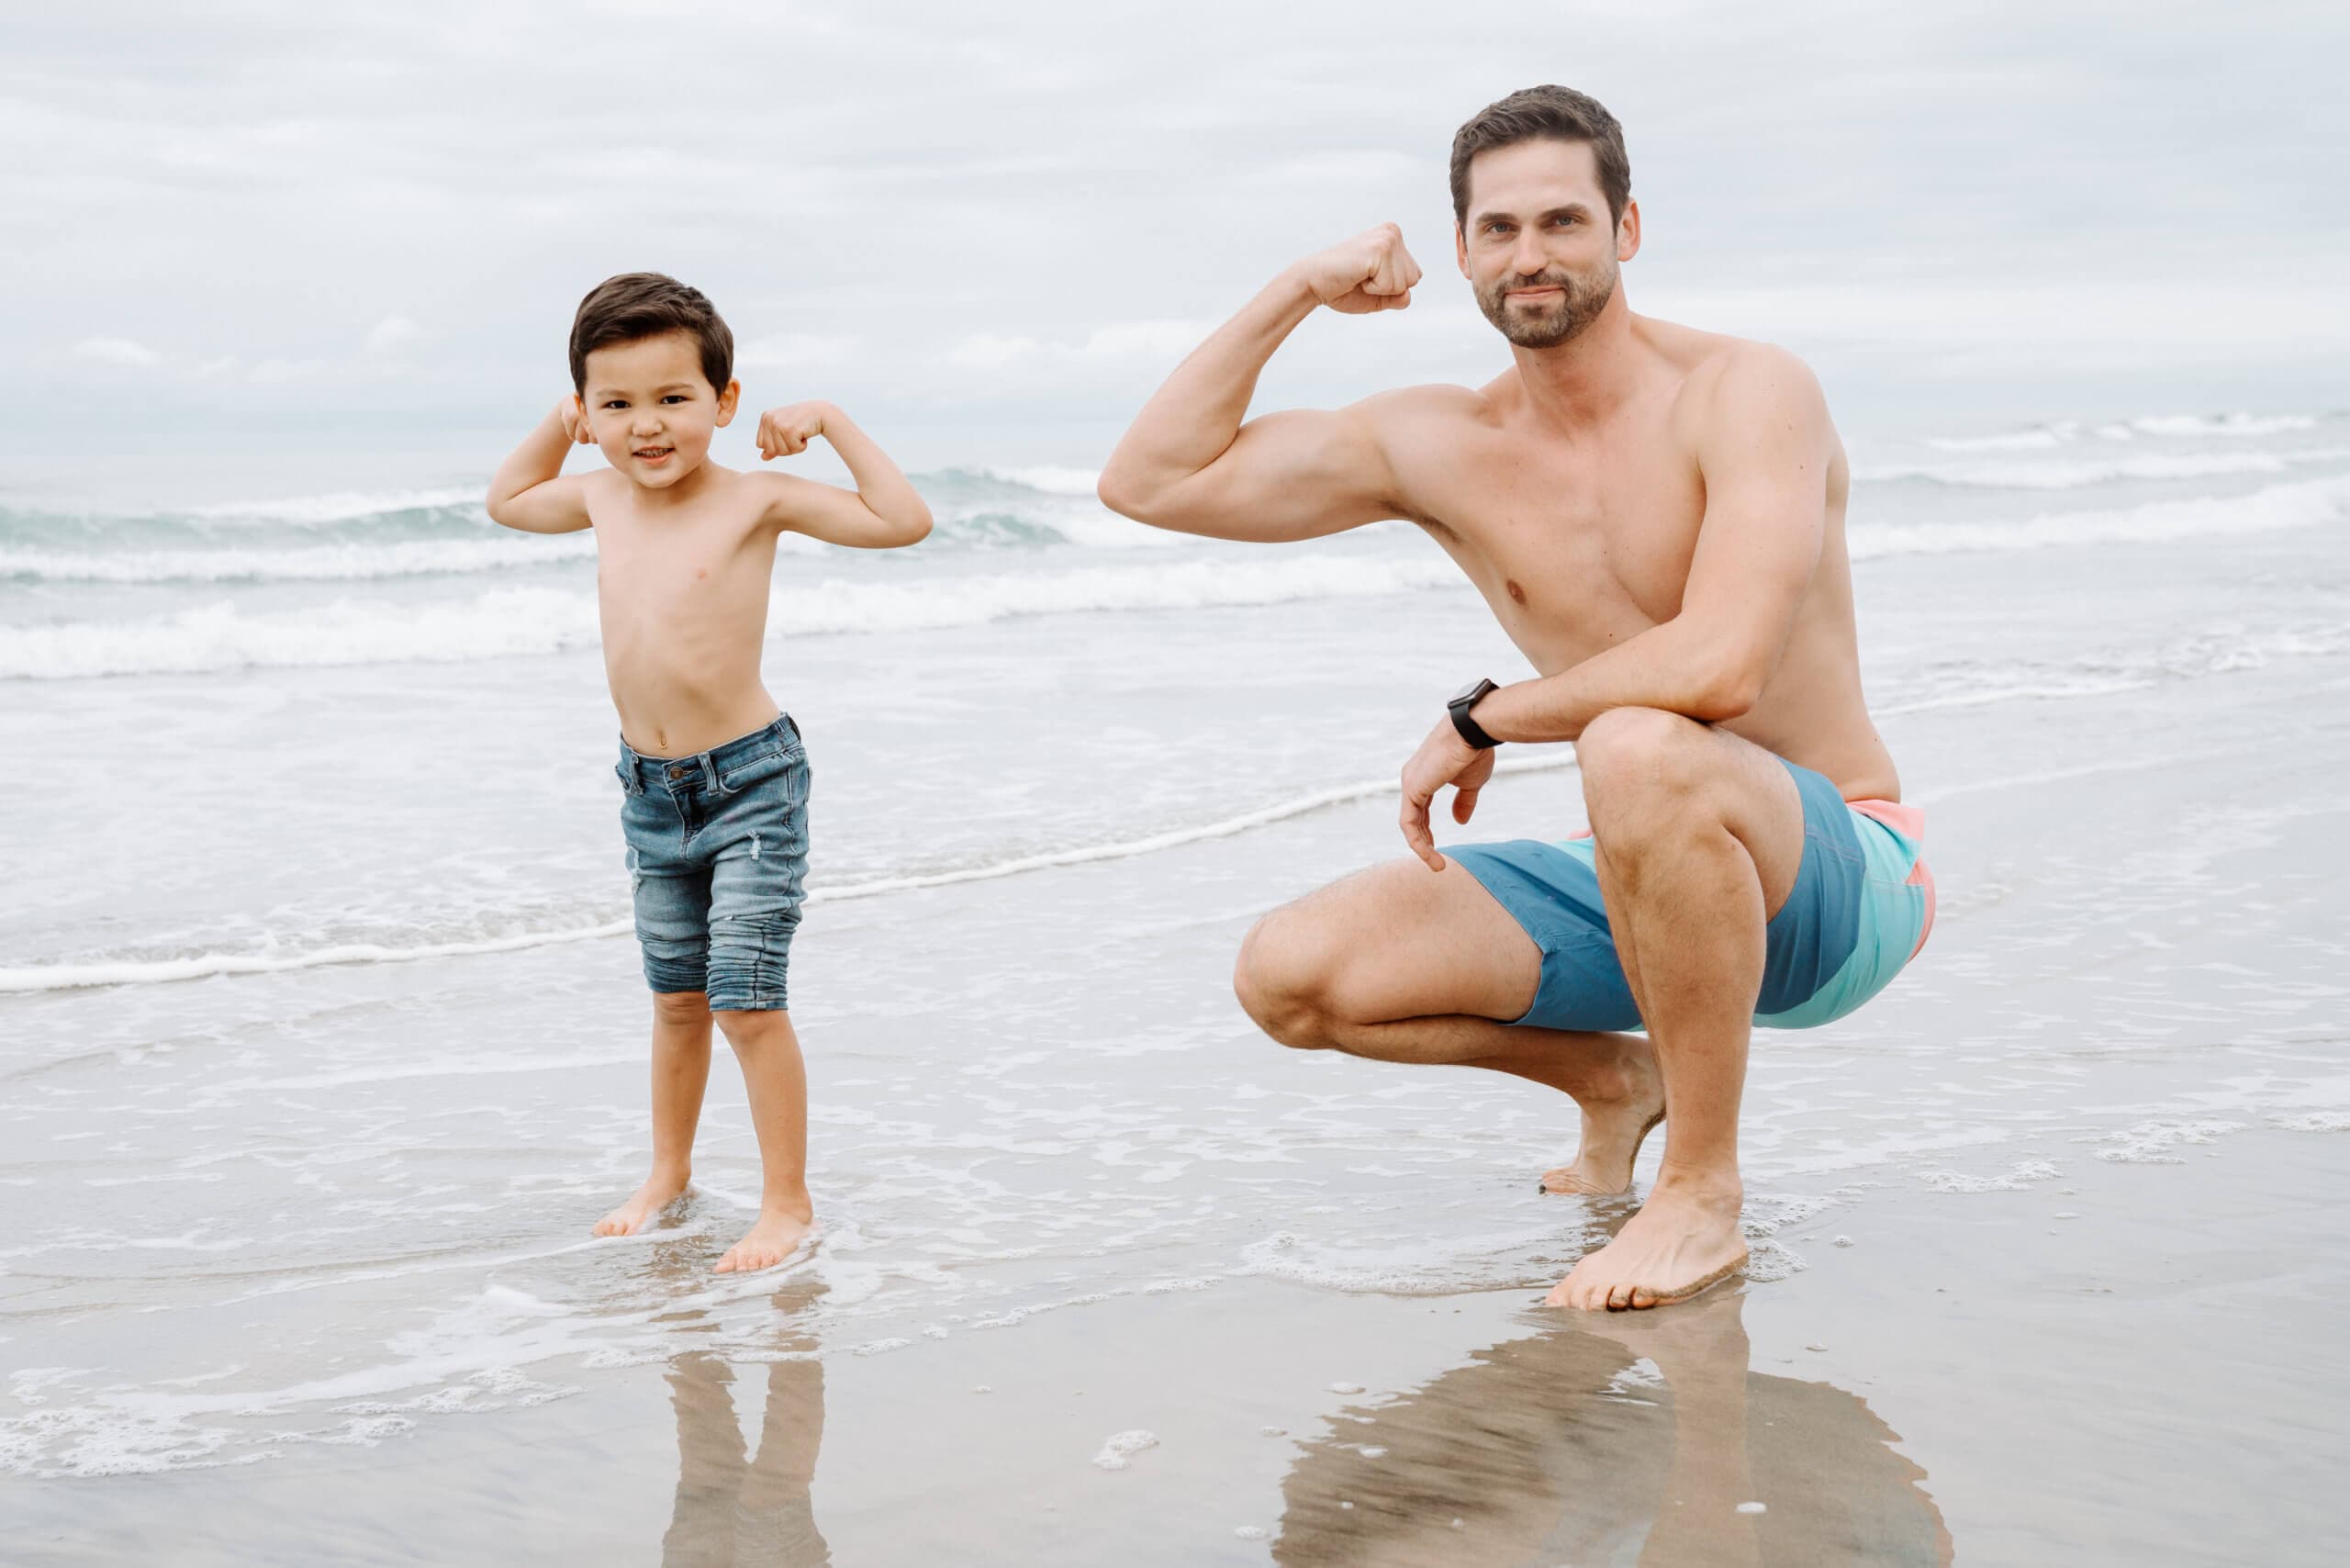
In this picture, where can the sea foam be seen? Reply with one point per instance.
(516, 622)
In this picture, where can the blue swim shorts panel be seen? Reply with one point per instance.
(1552, 892)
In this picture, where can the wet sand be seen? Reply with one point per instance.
(2135, 1390)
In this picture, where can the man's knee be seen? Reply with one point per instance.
(1283, 977)
(1641, 767)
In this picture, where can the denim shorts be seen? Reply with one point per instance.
(716, 857)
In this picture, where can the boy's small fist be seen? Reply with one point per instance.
(786, 433)
(574, 415)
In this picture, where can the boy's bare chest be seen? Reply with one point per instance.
(1574, 550)
(671, 571)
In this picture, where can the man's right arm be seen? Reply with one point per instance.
(529, 491)
(1189, 463)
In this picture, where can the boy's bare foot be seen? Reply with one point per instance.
(1684, 1239)
(777, 1234)
(658, 1193)
(1613, 1131)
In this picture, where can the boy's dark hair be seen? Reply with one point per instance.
(1533, 114)
(644, 304)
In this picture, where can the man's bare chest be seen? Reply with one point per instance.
(1572, 553)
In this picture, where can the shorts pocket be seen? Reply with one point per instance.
(756, 770)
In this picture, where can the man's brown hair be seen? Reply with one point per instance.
(1551, 113)
(644, 304)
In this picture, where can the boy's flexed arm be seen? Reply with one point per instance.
(529, 491)
(884, 511)
(1189, 463)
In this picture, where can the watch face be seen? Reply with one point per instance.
(1466, 692)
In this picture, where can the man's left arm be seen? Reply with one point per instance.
(1764, 449)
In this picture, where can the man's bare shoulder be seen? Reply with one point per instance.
(1724, 383)
(1414, 411)
(1706, 361)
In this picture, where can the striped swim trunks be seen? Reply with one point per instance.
(1860, 909)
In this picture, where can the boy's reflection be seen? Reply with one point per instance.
(737, 1507)
(1562, 1447)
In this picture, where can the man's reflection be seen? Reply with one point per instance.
(1626, 1438)
(740, 1507)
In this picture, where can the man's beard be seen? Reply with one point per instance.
(1580, 301)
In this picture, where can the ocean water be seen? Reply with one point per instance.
(322, 1038)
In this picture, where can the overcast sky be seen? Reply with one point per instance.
(988, 230)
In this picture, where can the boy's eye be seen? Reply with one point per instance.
(615, 403)
(676, 398)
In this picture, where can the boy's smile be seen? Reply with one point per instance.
(651, 408)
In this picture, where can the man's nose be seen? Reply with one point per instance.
(1528, 256)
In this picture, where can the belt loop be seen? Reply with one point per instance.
(709, 772)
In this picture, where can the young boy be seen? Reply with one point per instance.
(714, 779)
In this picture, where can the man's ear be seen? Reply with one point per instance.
(726, 401)
(1461, 250)
(1627, 232)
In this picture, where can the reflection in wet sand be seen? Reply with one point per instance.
(740, 1507)
(1617, 1440)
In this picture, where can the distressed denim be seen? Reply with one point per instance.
(717, 857)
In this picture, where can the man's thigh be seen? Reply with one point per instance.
(1401, 941)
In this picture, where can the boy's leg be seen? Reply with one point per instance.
(670, 894)
(777, 1081)
(680, 1072)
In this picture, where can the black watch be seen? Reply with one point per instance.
(1468, 697)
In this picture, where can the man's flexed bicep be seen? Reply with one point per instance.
(1296, 475)
(1768, 454)
(1189, 464)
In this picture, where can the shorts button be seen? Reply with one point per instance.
(677, 773)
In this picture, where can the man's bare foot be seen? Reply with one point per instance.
(660, 1190)
(1684, 1239)
(1613, 1131)
(775, 1236)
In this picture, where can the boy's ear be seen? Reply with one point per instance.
(732, 395)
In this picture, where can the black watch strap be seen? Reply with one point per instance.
(1467, 698)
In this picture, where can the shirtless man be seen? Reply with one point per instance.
(1656, 516)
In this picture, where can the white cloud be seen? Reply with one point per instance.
(116, 351)
(795, 351)
(389, 335)
(1364, 166)
(986, 351)
(1159, 340)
